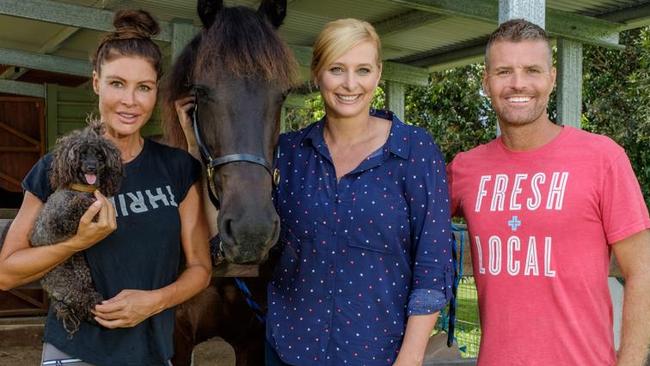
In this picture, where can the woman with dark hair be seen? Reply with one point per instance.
(136, 241)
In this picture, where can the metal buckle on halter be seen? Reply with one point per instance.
(276, 177)
(216, 250)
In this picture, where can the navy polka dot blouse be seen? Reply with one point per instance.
(360, 255)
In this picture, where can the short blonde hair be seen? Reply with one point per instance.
(337, 38)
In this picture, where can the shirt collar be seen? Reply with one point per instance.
(315, 134)
(398, 139)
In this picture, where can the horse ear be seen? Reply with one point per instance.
(274, 11)
(208, 10)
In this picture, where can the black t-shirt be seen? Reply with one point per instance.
(143, 253)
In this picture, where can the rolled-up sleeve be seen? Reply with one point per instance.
(428, 198)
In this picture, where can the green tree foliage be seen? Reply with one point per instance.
(616, 98)
(453, 109)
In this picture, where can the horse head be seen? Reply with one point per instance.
(239, 71)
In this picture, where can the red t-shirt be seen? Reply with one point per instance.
(540, 223)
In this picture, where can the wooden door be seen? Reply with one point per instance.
(22, 140)
(22, 143)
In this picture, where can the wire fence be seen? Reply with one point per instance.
(468, 329)
(467, 333)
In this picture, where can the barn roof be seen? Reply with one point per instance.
(50, 40)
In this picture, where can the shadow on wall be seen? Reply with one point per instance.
(10, 199)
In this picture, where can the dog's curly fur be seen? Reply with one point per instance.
(76, 155)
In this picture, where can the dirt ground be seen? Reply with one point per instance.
(211, 353)
(20, 355)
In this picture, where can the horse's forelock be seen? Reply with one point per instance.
(243, 43)
(240, 42)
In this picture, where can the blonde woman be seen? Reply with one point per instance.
(365, 261)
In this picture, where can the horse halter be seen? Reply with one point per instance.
(212, 164)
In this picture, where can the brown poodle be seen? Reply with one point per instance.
(83, 161)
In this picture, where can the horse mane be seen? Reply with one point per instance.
(177, 85)
(239, 42)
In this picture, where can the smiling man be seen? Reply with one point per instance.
(545, 206)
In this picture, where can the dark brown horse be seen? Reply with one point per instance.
(239, 71)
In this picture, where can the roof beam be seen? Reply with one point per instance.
(468, 52)
(70, 15)
(632, 17)
(405, 74)
(558, 23)
(410, 20)
(55, 42)
(50, 63)
(22, 88)
(599, 32)
(50, 46)
(392, 71)
(454, 58)
(14, 73)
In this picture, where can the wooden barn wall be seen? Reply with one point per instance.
(22, 136)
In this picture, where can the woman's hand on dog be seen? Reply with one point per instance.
(127, 309)
(90, 232)
(183, 107)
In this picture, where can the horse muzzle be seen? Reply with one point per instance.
(247, 238)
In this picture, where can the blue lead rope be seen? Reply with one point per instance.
(216, 253)
(457, 247)
(257, 309)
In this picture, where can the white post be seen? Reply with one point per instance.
(533, 11)
(616, 291)
(569, 80)
(182, 34)
(395, 98)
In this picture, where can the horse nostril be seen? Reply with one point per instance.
(227, 229)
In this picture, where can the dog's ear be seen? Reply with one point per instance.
(72, 152)
(63, 158)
